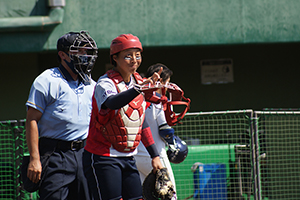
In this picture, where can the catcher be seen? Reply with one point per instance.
(117, 126)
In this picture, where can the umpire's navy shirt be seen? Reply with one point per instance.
(66, 104)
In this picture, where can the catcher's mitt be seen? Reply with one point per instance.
(158, 186)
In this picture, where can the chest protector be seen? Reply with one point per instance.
(123, 129)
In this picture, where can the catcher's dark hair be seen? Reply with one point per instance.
(165, 74)
(113, 62)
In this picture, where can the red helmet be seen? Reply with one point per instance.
(124, 41)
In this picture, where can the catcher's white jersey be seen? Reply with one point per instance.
(105, 88)
(155, 117)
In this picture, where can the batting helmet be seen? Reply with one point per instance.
(124, 41)
(177, 152)
(167, 134)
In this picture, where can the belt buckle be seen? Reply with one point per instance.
(74, 145)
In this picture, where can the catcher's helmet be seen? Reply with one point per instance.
(124, 41)
(177, 152)
(82, 50)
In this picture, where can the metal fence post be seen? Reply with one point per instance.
(18, 157)
(256, 156)
(20, 142)
(253, 154)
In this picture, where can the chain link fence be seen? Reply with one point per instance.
(12, 149)
(234, 155)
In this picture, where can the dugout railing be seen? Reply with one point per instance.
(234, 155)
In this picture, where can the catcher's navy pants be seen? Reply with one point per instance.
(112, 178)
(64, 177)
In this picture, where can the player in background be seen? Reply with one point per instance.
(156, 119)
(58, 115)
(117, 125)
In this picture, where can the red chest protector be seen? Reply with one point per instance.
(122, 129)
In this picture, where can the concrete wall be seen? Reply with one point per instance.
(156, 22)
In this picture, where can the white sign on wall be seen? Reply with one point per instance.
(217, 71)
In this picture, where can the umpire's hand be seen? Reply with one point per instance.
(34, 170)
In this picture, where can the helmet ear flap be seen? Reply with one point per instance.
(177, 152)
(167, 134)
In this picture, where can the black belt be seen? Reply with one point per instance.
(62, 144)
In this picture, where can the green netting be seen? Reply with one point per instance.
(7, 161)
(24, 195)
(279, 139)
(12, 148)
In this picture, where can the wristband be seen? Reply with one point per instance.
(152, 150)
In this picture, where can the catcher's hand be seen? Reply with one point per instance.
(158, 186)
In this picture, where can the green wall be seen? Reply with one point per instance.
(265, 76)
(159, 23)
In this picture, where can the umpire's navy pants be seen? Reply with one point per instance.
(64, 177)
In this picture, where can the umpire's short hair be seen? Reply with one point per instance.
(65, 41)
(165, 74)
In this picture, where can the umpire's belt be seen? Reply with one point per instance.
(62, 144)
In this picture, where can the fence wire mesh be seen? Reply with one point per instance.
(215, 139)
(279, 139)
(233, 155)
(8, 173)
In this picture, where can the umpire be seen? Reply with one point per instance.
(58, 115)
